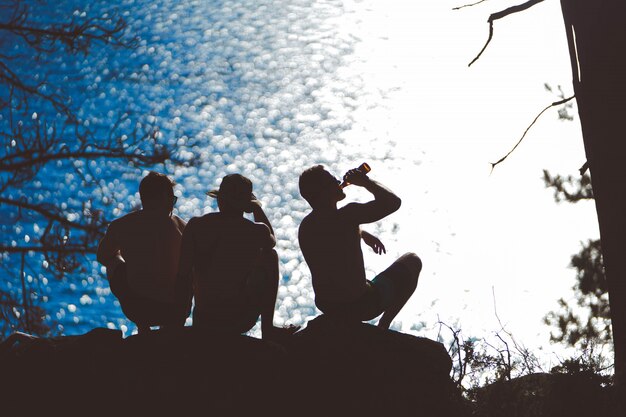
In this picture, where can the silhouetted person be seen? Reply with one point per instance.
(229, 264)
(330, 239)
(140, 251)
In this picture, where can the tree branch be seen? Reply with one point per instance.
(468, 5)
(500, 15)
(69, 249)
(75, 36)
(556, 103)
(111, 154)
(44, 210)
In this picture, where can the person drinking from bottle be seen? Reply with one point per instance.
(330, 240)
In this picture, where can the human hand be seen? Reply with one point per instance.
(356, 177)
(252, 206)
(373, 242)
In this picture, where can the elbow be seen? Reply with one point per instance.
(396, 202)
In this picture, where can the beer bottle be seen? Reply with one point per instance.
(364, 168)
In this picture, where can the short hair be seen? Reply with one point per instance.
(154, 186)
(311, 182)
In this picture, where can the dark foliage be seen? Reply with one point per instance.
(589, 319)
(14, 315)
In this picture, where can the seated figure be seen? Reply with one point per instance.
(140, 251)
(229, 266)
(330, 239)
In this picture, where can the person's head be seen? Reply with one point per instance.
(234, 194)
(319, 187)
(157, 192)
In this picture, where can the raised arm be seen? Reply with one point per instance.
(385, 201)
(260, 217)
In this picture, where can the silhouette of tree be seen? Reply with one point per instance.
(47, 139)
(596, 36)
(590, 321)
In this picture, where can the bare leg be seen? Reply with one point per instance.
(269, 265)
(411, 266)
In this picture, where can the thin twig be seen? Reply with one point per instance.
(45, 211)
(556, 103)
(49, 249)
(500, 15)
(468, 5)
(457, 342)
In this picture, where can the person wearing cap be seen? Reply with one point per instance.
(140, 252)
(330, 240)
(228, 264)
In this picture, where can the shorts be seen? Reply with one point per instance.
(379, 295)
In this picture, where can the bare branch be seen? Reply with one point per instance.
(556, 103)
(47, 211)
(70, 249)
(30, 146)
(456, 345)
(74, 35)
(484, 47)
(500, 15)
(468, 5)
(140, 159)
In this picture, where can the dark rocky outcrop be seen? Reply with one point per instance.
(362, 370)
(327, 369)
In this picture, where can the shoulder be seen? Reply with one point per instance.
(180, 223)
(199, 221)
(126, 219)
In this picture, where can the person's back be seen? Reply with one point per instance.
(150, 245)
(141, 253)
(225, 251)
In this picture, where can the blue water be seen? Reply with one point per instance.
(262, 87)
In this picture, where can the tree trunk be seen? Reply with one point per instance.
(596, 31)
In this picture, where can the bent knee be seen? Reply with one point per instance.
(270, 254)
(412, 262)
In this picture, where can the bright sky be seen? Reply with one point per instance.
(476, 231)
